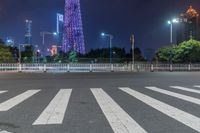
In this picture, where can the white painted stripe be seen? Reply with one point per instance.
(55, 111)
(4, 131)
(7, 105)
(118, 119)
(177, 95)
(186, 89)
(197, 86)
(1, 92)
(179, 115)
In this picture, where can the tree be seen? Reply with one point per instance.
(27, 55)
(137, 55)
(1, 41)
(15, 53)
(166, 53)
(73, 57)
(187, 52)
(5, 54)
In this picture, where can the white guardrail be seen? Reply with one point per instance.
(97, 67)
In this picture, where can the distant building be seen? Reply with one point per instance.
(189, 26)
(28, 32)
(10, 41)
(54, 50)
(60, 27)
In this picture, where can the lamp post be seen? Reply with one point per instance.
(43, 39)
(111, 38)
(132, 39)
(171, 22)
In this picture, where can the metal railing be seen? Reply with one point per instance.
(80, 67)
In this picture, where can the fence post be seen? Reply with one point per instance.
(152, 68)
(138, 68)
(20, 67)
(189, 67)
(90, 67)
(171, 68)
(68, 68)
(112, 68)
(45, 68)
(132, 67)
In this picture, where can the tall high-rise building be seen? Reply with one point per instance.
(28, 32)
(60, 28)
(73, 38)
(189, 26)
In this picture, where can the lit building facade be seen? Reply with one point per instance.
(189, 26)
(28, 32)
(54, 50)
(73, 38)
(60, 28)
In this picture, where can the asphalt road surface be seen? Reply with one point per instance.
(100, 103)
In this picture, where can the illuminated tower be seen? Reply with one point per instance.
(28, 32)
(189, 26)
(73, 38)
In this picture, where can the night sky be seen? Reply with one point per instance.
(145, 18)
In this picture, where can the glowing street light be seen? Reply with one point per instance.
(55, 33)
(171, 22)
(175, 20)
(103, 34)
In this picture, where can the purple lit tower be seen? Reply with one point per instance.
(73, 38)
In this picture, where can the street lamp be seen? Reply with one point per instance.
(43, 39)
(132, 39)
(171, 22)
(111, 38)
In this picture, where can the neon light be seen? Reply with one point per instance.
(73, 38)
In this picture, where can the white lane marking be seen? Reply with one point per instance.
(7, 105)
(118, 119)
(4, 131)
(197, 86)
(1, 92)
(179, 115)
(177, 95)
(55, 111)
(186, 89)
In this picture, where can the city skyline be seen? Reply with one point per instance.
(150, 28)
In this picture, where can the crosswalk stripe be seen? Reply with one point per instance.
(173, 94)
(186, 89)
(1, 92)
(4, 131)
(197, 86)
(55, 111)
(179, 115)
(119, 120)
(7, 105)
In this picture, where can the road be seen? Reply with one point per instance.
(100, 102)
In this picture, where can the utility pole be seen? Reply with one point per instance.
(132, 39)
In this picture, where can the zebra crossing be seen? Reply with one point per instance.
(118, 119)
